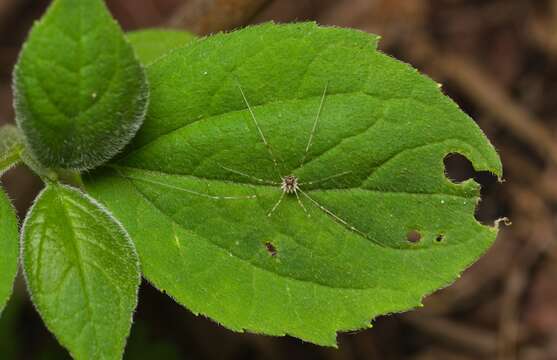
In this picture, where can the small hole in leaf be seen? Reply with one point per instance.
(413, 236)
(440, 238)
(271, 249)
(458, 168)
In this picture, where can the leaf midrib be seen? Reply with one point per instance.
(79, 265)
(373, 169)
(257, 185)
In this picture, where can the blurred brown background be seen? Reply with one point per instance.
(498, 60)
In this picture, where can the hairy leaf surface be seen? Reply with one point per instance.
(11, 146)
(9, 246)
(194, 187)
(82, 272)
(151, 44)
(80, 92)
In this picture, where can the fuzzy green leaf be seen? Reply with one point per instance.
(80, 92)
(187, 188)
(82, 272)
(9, 246)
(11, 147)
(151, 44)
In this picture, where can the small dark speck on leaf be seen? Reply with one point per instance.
(271, 249)
(440, 238)
(414, 236)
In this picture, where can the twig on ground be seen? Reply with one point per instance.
(540, 235)
(7, 7)
(466, 337)
(209, 16)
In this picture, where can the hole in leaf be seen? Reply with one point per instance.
(271, 249)
(459, 169)
(413, 236)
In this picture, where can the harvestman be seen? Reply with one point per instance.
(289, 184)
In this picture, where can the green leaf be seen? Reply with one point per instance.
(10, 248)
(187, 188)
(80, 92)
(151, 44)
(82, 272)
(11, 147)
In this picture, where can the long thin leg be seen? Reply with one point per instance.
(314, 128)
(334, 216)
(276, 205)
(191, 191)
(261, 135)
(302, 204)
(263, 181)
(326, 178)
